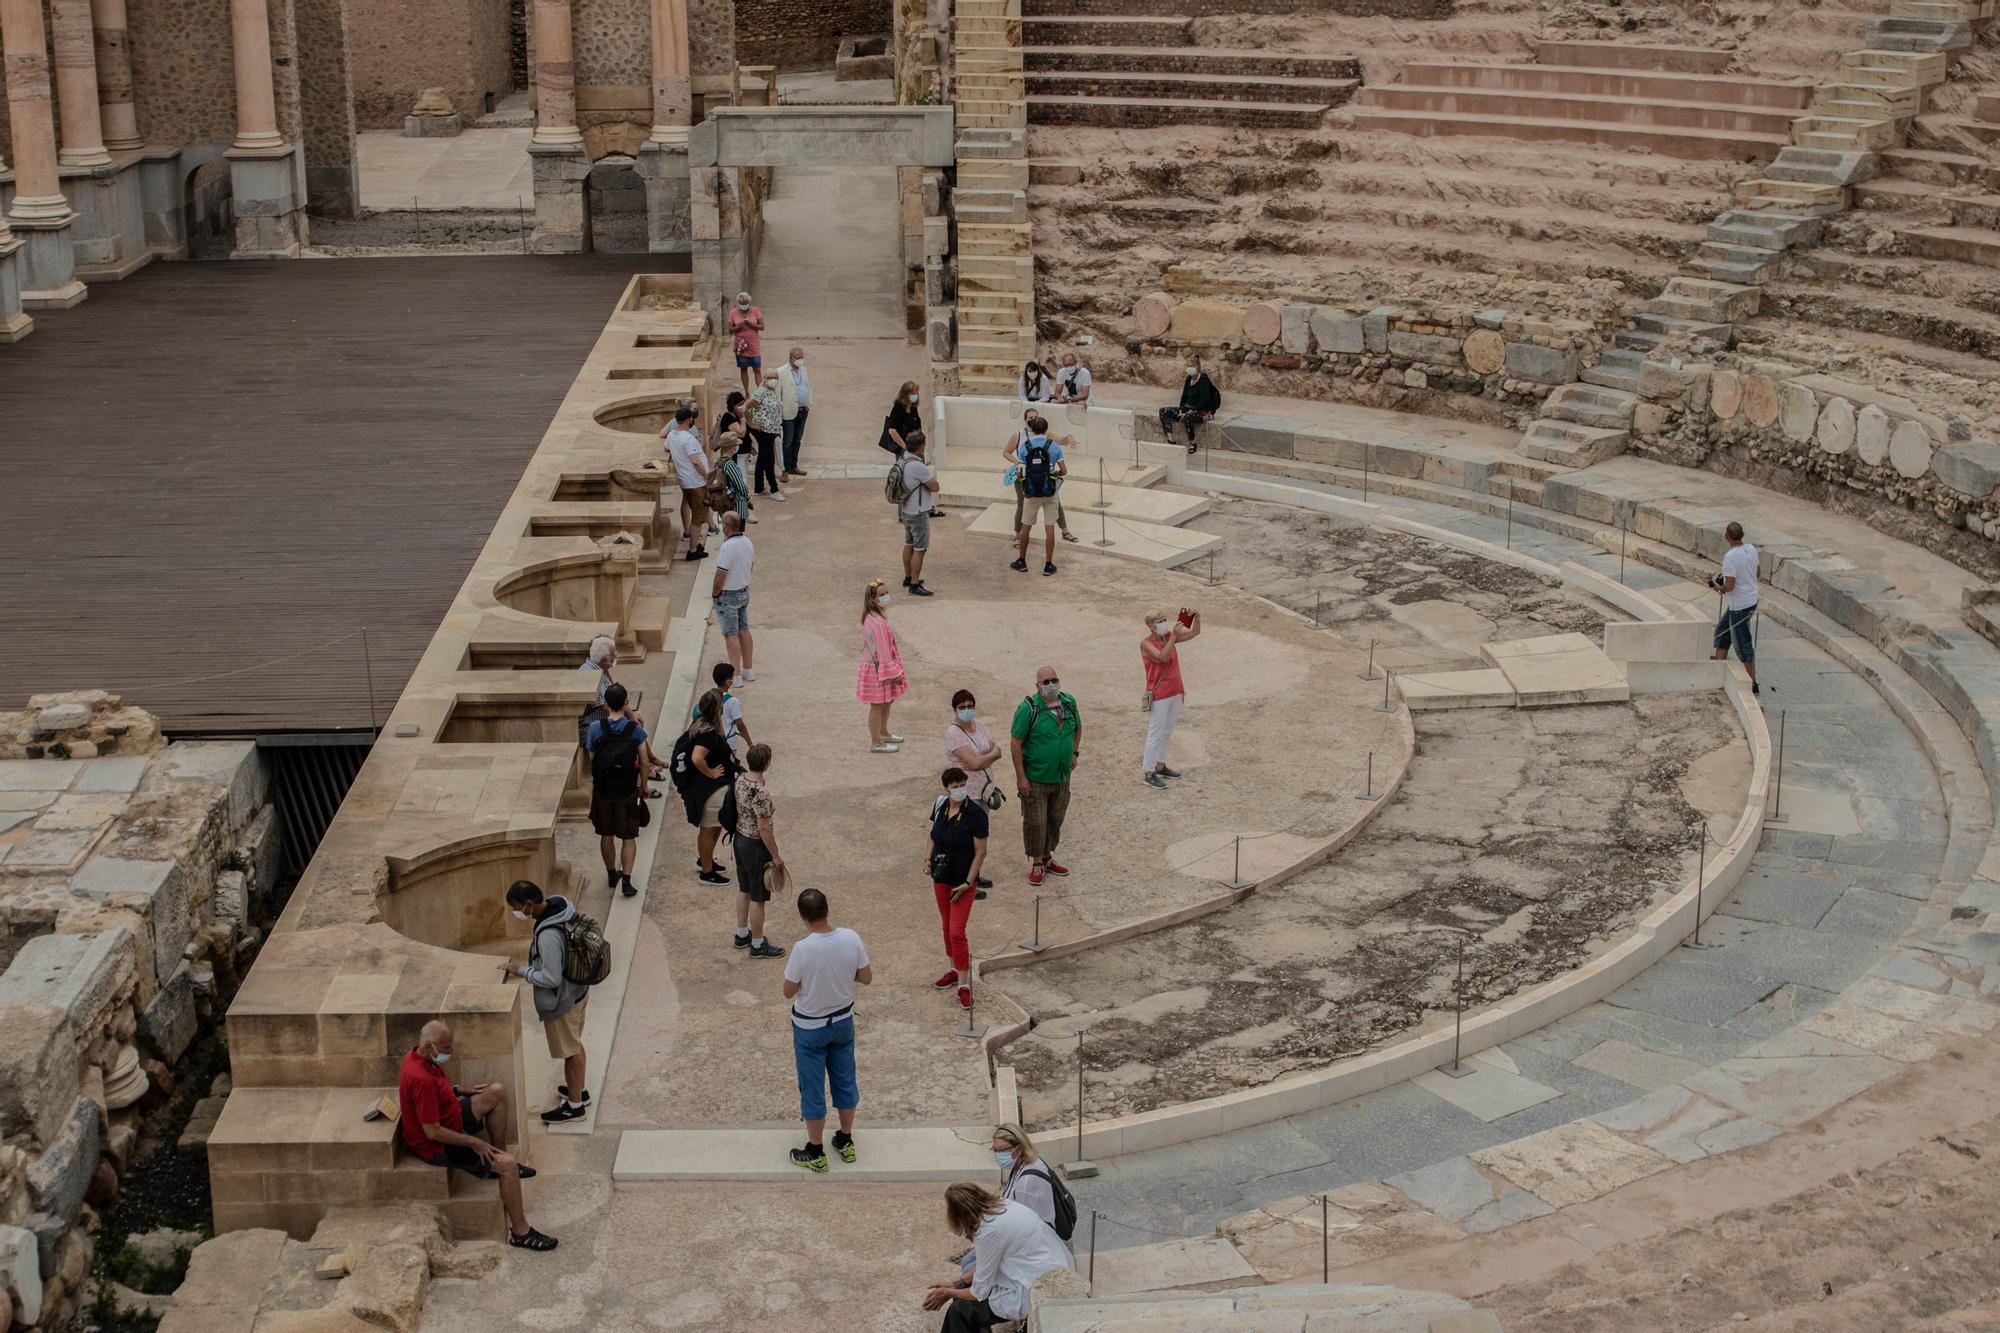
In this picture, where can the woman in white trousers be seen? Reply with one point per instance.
(1165, 694)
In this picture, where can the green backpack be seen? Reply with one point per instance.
(586, 954)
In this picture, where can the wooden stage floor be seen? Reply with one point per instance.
(214, 476)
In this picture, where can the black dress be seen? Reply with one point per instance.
(902, 420)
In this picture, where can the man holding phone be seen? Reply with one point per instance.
(1165, 695)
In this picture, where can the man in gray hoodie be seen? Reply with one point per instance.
(559, 1003)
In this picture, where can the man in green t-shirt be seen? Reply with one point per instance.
(1048, 742)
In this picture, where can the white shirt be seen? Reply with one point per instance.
(824, 964)
(1074, 379)
(690, 463)
(1740, 563)
(735, 559)
(1014, 1247)
(915, 473)
(1039, 392)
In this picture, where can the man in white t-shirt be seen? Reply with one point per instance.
(820, 977)
(916, 511)
(1738, 585)
(732, 594)
(691, 475)
(1073, 380)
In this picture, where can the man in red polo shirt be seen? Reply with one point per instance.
(466, 1128)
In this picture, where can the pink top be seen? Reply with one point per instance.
(880, 678)
(741, 330)
(1163, 679)
(975, 737)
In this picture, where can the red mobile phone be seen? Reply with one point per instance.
(1187, 617)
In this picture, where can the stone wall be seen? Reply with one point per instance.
(326, 86)
(802, 34)
(183, 72)
(711, 38)
(132, 877)
(461, 46)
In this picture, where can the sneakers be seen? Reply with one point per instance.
(563, 1092)
(720, 866)
(906, 580)
(1754, 689)
(630, 889)
(1166, 772)
(965, 997)
(843, 1143)
(1035, 873)
(947, 981)
(919, 590)
(893, 739)
(766, 950)
(982, 882)
(753, 518)
(712, 877)
(564, 1110)
(741, 939)
(748, 674)
(979, 895)
(887, 748)
(1055, 869)
(812, 1157)
(777, 495)
(617, 876)
(1155, 781)
(1018, 565)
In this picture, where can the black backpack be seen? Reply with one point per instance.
(1036, 470)
(680, 766)
(614, 764)
(1065, 1223)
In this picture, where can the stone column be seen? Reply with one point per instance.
(256, 99)
(38, 195)
(76, 84)
(555, 75)
(673, 95)
(114, 75)
(14, 325)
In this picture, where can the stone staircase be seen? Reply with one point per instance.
(1664, 99)
(996, 268)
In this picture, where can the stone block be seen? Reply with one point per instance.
(169, 1023)
(158, 890)
(1797, 412)
(40, 1071)
(1541, 365)
(1263, 322)
(1207, 322)
(1969, 469)
(1663, 383)
(1375, 329)
(1760, 400)
(1295, 329)
(1336, 330)
(1835, 432)
(387, 1286)
(1485, 351)
(234, 766)
(1871, 434)
(21, 1272)
(433, 127)
(58, 1178)
(1428, 348)
(1910, 448)
(1152, 314)
(263, 849)
(80, 975)
(1726, 394)
(63, 717)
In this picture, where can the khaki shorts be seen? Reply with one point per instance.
(1038, 507)
(565, 1031)
(697, 502)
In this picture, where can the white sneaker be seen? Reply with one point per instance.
(777, 495)
(748, 675)
(753, 518)
(883, 749)
(894, 740)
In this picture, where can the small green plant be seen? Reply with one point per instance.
(129, 1268)
(234, 861)
(60, 750)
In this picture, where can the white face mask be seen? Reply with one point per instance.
(742, 305)
(1051, 689)
(799, 361)
(967, 714)
(439, 1057)
(519, 915)
(1192, 372)
(1160, 626)
(957, 793)
(882, 601)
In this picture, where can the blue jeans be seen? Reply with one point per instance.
(795, 432)
(1736, 625)
(732, 612)
(825, 1055)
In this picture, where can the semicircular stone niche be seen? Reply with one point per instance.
(597, 586)
(648, 415)
(454, 896)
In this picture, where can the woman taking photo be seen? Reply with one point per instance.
(879, 681)
(1160, 653)
(902, 419)
(958, 849)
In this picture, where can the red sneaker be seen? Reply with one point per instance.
(1035, 873)
(1055, 869)
(965, 997)
(947, 981)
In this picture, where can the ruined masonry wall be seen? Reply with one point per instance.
(461, 46)
(803, 34)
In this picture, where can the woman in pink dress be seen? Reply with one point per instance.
(879, 681)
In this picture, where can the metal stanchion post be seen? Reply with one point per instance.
(1621, 552)
(1510, 518)
(1037, 944)
(1369, 674)
(1700, 875)
(1387, 677)
(1236, 880)
(1317, 601)
(1368, 791)
(1364, 472)
(1102, 503)
(1082, 1168)
(368, 668)
(971, 1029)
(1103, 530)
(1777, 815)
(417, 215)
(521, 207)
(1090, 1273)
(1325, 1243)
(1211, 571)
(1455, 1069)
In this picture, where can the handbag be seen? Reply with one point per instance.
(994, 797)
(1146, 702)
(742, 344)
(645, 814)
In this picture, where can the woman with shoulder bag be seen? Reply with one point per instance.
(902, 419)
(968, 744)
(958, 849)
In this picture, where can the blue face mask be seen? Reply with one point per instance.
(1004, 1160)
(967, 714)
(439, 1057)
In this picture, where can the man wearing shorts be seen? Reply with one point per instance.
(690, 462)
(731, 593)
(462, 1128)
(559, 1003)
(1042, 471)
(820, 977)
(916, 511)
(1738, 584)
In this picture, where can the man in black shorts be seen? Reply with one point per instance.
(465, 1128)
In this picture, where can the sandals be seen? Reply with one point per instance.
(1069, 536)
(652, 793)
(532, 1240)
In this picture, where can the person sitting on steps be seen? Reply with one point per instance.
(1200, 401)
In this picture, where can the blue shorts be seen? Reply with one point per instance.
(1736, 625)
(749, 363)
(825, 1055)
(732, 612)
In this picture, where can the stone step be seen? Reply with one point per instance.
(1636, 340)
(1818, 166)
(1927, 164)
(1663, 324)
(1965, 245)
(1767, 231)
(1987, 108)
(1156, 544)
(1637, 85)
(1164, 86)
(993, 174)
(1927, 66)
(1892, 76)
(1612, 376)
(1747, 263)
(1943, 38)
(1138, 112)
(1122, 30)
(990, 206)
(1611, 109)
(1634, 55)
(993, 114)
(1894, 195)
(1728, 302)
(1846, 134)
(1804, 194)
(1242, 62)
(1891, 100)
(1591, 405)
(1687, 144)
(1976, 210)
(1571, 445)
(1941, 11)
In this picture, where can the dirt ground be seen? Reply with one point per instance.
(1543, 832)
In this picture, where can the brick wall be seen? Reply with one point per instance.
(399, 49)
(802, 34)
